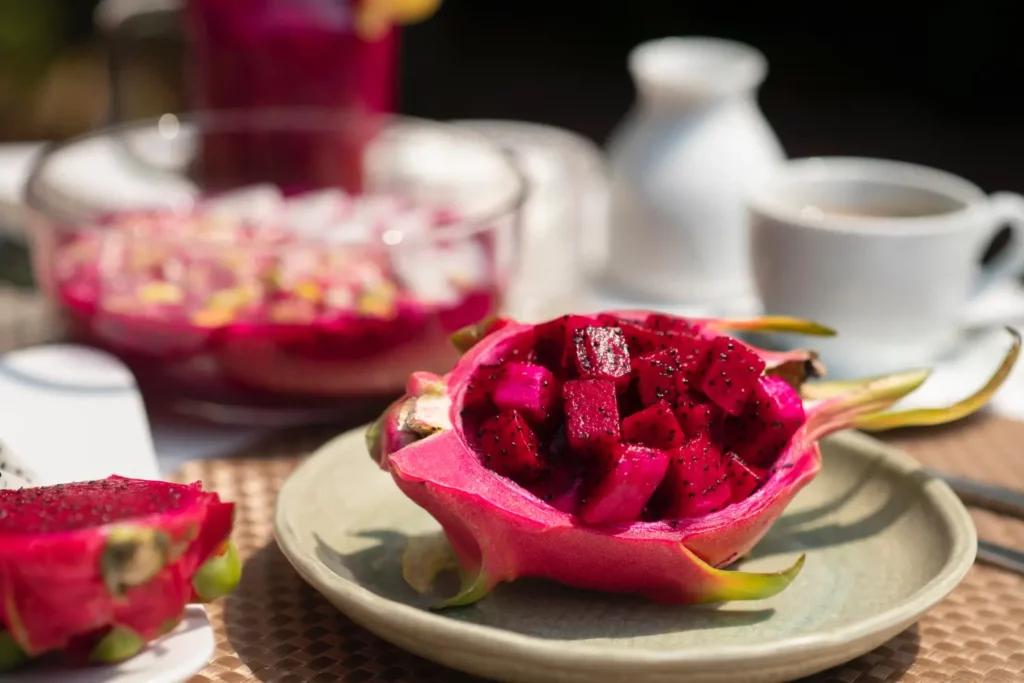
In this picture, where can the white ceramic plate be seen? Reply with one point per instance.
(884, 543)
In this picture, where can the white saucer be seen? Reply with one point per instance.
(966, 370)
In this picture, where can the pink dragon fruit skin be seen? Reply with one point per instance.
(110, 563)
(500, 532)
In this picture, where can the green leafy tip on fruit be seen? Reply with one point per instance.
(776, 323)
(219, 575)
(11, 654)
(467, 337)
(119, 644)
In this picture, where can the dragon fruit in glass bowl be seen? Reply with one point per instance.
(277, 303)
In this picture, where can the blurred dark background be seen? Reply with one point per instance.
(933, 83)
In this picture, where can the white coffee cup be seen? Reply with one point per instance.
(886, 253)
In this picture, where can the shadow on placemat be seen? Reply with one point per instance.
(285, 631)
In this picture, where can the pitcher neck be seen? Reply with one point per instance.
(680, 73)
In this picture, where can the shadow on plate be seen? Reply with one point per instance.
(827, 524)
(532, 607)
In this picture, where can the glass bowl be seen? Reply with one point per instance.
(277, 266)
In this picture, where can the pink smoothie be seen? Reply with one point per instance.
(264, 54)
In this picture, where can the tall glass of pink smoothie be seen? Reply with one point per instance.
(266, 54)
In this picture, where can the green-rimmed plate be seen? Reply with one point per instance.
(884, 541)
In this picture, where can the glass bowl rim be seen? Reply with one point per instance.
(468, 226)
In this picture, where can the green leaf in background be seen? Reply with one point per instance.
(31, 34)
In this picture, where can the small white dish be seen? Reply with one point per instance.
(72, 413)
(172, 659)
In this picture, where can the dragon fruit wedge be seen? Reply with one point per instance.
(638, 452)
(92, 571)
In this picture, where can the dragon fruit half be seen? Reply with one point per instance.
(94, 570)
(627, 452)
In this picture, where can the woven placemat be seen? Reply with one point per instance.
(276, 629)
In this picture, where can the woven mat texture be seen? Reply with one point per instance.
(276, 629)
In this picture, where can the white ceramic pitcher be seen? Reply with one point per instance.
(681, 165)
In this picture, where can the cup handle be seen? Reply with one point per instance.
(114, 18)
(1007, 209)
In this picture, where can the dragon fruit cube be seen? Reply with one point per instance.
(771, 417)
(509, 445)
(591, 415)
(601, 353)
(633, 475)
(656, 376)
(697, 415)
(698, 479)
(529, 389)
(654, 426)
(731, 375)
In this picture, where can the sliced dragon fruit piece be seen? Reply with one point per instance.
(656, 376)
(109, 562)
(731, 374)
(697, 415)
(640, 339)
(743, 479)
(697, 478)
(509, 445)
(591, 415)
(562, 490)
(529, 389)
(553, 340)
(654, 426)
(696, 522)
(692, 362)
(669, 323)
(633, 475)
(601, 353)
(480, 389)
(772, 415)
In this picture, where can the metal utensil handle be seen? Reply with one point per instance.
(988, 496)
(1001, 556)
